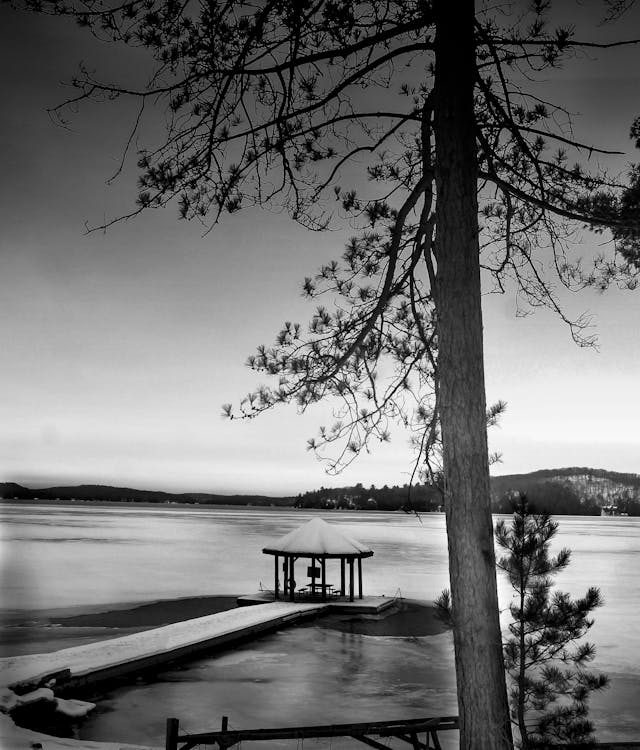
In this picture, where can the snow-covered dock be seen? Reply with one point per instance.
(27, 680)
(94, 662)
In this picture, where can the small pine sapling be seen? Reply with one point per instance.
(549, 683)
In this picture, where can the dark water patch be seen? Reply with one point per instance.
(53, 615)
(19, 640)
(154, 614)
(51, 630)
(122, 614)
(408, 619)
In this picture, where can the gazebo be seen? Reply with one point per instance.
(317, 541)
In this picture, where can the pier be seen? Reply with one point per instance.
(81, 666)
(49, 679)
(85, 665)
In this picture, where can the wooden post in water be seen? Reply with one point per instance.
(171, 737)
(359, 578)
(342, 577)
(323, 563)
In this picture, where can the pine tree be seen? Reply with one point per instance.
(549, 684)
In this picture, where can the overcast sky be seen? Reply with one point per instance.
(117, 349)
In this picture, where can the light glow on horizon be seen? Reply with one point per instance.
(119, 348)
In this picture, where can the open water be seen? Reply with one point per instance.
(82, 558)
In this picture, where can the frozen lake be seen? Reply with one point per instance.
(84, 557)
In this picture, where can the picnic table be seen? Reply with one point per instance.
(319, 591)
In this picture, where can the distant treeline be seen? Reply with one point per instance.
(420, 497)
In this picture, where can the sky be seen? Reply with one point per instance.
(118, 348)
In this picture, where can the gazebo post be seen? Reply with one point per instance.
(351, 579)
(285, 573)
(342, 577)
(313, 577)
(292, 580)
(359, 578)
(277, 578)
(323, 563)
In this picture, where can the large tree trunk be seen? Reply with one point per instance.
(482, 698)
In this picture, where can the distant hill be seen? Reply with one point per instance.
(98, 492)
(596, 485)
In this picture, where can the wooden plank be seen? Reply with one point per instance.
(424, 725)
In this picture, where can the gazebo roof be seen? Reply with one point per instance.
(317, 538)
